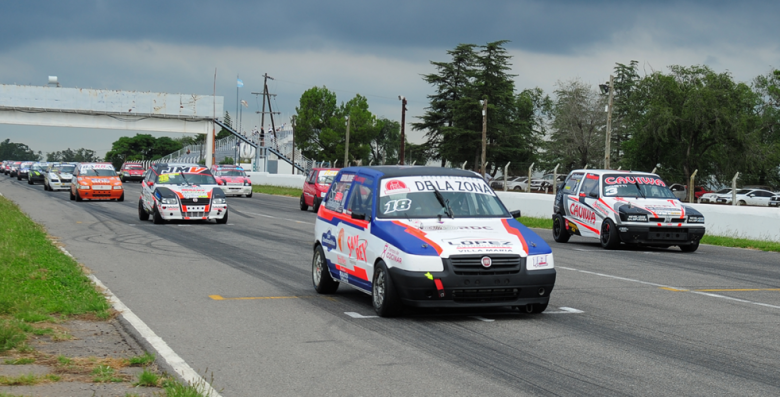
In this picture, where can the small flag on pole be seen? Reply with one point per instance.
(239, 83)
(243, 102)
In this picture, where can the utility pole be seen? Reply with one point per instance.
(403, 125)
(609, 122)
(484, 134)
(293, 143)
(346, 147)
(265, 95)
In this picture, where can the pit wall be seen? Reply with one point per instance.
(756, 223)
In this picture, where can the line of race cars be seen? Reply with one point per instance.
(169, 191)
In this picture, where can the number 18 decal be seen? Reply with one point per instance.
(398, 205)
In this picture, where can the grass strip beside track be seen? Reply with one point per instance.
(39, 282)
(770, 246)
(277, 190)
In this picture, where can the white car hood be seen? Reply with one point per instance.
(660, 208)
(470, 236)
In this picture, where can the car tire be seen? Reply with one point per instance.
(609, 235)
(30, 182)
(142, 214)
(320, 273)
(533, 308)
(157, 218)
(78, 196)
(122, 179)
(517, 189)
(304, 207)
(316, 206)
(122, 197)
(383, 294)
(18, 177)
(741, 202)
(690, 248)
(560, 234)
(224, 219)
(45, 186)
(72, 196)
(249, 195)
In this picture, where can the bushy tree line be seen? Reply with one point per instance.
(143, 147)
(321, 124)
(80, 155)
(17, 152)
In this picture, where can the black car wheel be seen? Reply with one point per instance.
(72, 197)
(304, 207)
(560, 234)
(157, 218)
(320, 274)
(316, 205)
(690, 248)
(609, 235)
(142, 214)
(383, 293)
(224, 218)
(78, 196)
(122, 197)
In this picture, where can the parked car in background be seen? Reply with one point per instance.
(774, 201)
(546, 182)
(681, 191)
(517, 183)
(758, 197)
(315, 187)
(712, 196)
(131, 171)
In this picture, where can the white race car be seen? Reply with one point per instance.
(621, 206)
(181, 192)
(58, 176)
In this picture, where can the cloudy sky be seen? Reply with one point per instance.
(377, 49)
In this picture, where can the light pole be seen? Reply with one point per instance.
(346, 147)
(403, 125)
(608, 88)
(484, 134)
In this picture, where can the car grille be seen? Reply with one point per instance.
(671, 220)
(191, 201)
(674, 234)
(471, 265)
(63, 180)
(194, 214)
(485, 295)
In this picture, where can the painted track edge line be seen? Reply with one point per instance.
(173, 360)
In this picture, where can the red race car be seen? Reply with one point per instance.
(316, 186)
(233, 180)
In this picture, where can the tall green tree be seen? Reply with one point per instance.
(578, 126)
(17, 152)
(626, 78)
(223, 133)
(142, 147)
(386, 143)
(684, 119)
(314, 115)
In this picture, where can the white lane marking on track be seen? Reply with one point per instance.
(358, 315)
(487, 320)
(675, 288)
(587, 250)
(184, 225)
(276, 217)
(564, 310)
(174, 360)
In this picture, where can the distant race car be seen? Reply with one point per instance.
(58, 176)
(181, 192)
(24, 169)
(37, 172)
(131, 171)
(622, 206)
(14, 167)
(427, 237)
(316, 186)
(96, 181)
(233, 180)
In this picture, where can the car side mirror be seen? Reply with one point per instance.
(515, 213)
(593, 195)
(751, 195)
(359, 215)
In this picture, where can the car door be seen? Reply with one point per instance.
(309, 188)
(147, 188)
(761, 198)
(358, 234)
(584, 208)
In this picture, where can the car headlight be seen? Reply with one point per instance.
(167, 200)
(636, 218)
(84, 187)
(118, 187)
(220, 200)
(247, 183)
(127, 174)
(695, 219)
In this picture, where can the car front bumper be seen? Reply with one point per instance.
(519, 289)
(171, 212)
(59, 185)
(236, 190)
(660, 235)
(90, 194)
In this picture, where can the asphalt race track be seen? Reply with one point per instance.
(236, 301)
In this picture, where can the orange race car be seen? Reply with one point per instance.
(96, 181)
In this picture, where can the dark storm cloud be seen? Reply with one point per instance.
(539, 26)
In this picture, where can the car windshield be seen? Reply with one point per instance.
(133, 167)
(415, 197)
(64, 169)
(192, 179)
(36, 167)
(99, 172)
(723, 191)
(641, 186)
(743, 191)
(231, 173)
(325, 178)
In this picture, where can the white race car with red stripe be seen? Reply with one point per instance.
(622, 206)
(181, 192)
(427, 237)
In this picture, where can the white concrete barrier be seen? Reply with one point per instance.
(284, 180)
(755, 223)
